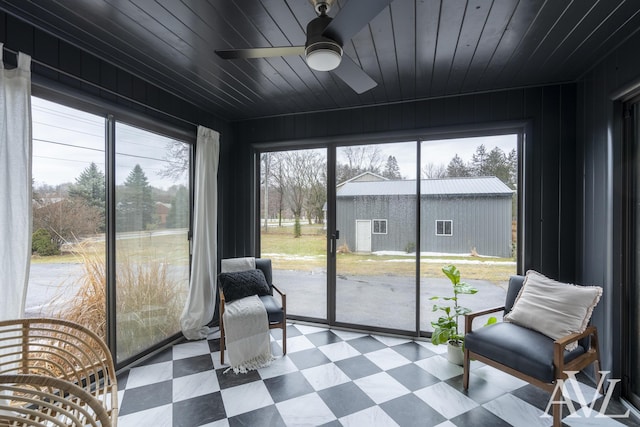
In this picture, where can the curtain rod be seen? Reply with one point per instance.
(95, 85)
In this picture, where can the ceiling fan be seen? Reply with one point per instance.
(325, 38)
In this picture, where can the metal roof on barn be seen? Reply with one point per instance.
(486, 186)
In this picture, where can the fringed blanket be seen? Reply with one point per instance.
(246, 329)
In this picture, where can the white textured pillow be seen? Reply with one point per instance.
(553, 308)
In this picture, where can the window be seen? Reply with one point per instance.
(379, 226)
(66, 278)
(444, 227)
(70, 271)
(152, 248)
(327, 210)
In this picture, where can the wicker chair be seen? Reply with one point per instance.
(55, 372)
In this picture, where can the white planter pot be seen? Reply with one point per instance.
(454, 353)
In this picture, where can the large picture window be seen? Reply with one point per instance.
(152, 248)
(70, 268)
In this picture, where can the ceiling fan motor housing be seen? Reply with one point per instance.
(322, 53)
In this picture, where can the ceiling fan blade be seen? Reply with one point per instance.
(352, 18)
(260, 52)
(349, 72)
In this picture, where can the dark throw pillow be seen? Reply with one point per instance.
(240, 284)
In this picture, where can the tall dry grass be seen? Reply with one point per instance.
(88, 306)
(149, 299)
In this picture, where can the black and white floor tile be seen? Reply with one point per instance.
(333, 378)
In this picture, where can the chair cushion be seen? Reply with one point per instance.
(553, 308)
(240, 284)
(274, 309)
(515, 285)
(264, 264)
(517, 347)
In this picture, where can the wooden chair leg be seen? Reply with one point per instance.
(466, 366)
(221, 342)
(557, 407)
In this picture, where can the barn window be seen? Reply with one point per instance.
(444, 227)
(379, 226)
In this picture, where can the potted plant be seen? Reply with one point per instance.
(446, 328)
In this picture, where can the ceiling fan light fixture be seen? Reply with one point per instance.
(324, 55)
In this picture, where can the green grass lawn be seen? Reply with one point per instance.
(306, 252)
(173, 248)
(309, 251)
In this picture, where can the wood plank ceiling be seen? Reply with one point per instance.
(412, 49)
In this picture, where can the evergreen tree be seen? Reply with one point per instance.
(512, 159)
(42, 243)
(457, 168)
(178, 216)
(90, 187)
(478, 161)
(497, 165)
(391, 168)
(135, 207)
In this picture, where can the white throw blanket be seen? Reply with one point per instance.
(246, 328)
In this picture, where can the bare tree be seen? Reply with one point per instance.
(359, 159)
(67, 219)
(301, 170)
(433, 171)
(276, 182)
(176, 160)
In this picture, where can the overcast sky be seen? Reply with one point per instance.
(440, 151)
(66, 141)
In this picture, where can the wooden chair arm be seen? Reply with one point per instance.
(282, 294)
(283, 298)
(591, 354)
(469, 318)
(568, 339)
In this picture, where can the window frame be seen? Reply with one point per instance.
(156, 122)
(379, 221)
(444, 227)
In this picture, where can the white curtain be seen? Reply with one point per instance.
(200, 304)
(15, 186)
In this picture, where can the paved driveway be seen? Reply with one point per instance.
(384, 301)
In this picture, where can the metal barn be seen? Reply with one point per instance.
(458, 215)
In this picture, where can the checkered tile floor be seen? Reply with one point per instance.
(332, 378)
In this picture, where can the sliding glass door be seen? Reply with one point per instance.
(152, 247)
(370, 237)
(293, 228)
(468, 211)
(375, 229)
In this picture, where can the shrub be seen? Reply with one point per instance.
(42, 243)
(411, 247)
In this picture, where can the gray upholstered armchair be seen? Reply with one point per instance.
(526, 353)
(276, 312)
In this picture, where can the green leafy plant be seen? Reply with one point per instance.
(42, 243)
(446, 328)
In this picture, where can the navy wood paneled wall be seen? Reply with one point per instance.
(549, 156)
(601, 233)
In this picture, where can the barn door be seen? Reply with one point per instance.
(363, 235)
